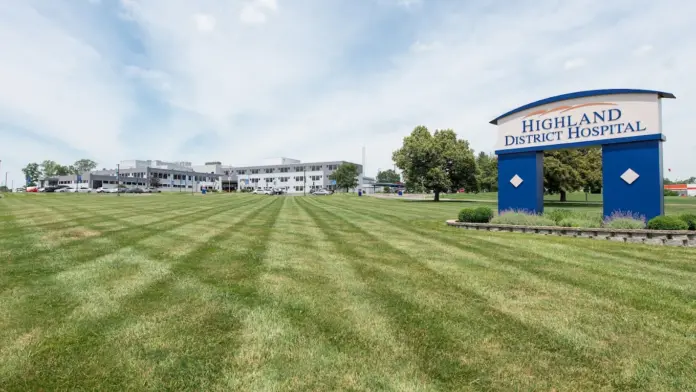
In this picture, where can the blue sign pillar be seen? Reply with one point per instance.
(521, 182)
(632, 178)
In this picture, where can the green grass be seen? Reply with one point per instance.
(244, 292)
(575, 200)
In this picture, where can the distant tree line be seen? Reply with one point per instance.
(48, 168)
(690, 180)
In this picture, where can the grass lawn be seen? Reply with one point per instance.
(576, 200)
(244, 292)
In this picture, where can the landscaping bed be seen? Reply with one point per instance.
(620, 227)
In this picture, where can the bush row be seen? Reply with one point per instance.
(476, 215)
(568, 218)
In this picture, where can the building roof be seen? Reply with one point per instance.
(581, 94)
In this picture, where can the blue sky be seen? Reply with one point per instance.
(242, 81)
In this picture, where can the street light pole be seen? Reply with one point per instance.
(304, 178)
(118, 179)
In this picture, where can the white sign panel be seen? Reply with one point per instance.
(588, 119)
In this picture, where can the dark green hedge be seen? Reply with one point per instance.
(667, 223)
(476, 215)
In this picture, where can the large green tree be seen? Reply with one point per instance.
(572, 170)
(346, 176)
(439, 161)
(50, 168)
(64, 170)
(487, 165)
(32, 172)
(388, 176)
(83, 166)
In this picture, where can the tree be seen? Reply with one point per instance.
(346, 176)
(439, 162)
(573, 170)
(590, 168)
(83, 166)
(64, 170)
(154, 182)
(487, 165)
(49, 168)
(32, 172)
(388, 176)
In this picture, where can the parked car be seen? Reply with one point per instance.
(322, 192)
(134, 190)
(111, 190)
(260, 191)
(62, 190)
(152, 190)
(80, 189)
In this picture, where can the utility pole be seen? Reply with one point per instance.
(5, 179)
(304, 178)
(118, 179)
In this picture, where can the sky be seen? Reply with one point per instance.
(244, 81)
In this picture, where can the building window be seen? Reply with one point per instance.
(299, 188)
(315, 168)
(242, 171)
(269, 170)
(254, 171)
(331, 167)
(254, 180)
(299, 168)
(269, 180)
(299, 178)
(284, 169)
(315, 178)
(284, 179)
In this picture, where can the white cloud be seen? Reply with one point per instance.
(204, 22)
(156, 79)
(58, 87)
(575, 63)
(424, 47)
(643, 50)
(268, 4)
(251, 15)
(318, 82)
(256, 11)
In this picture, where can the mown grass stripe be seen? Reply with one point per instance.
(565, 268)
(116, 321)
(448, 370)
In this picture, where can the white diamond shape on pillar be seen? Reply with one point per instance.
(516, 181)
(629, 176)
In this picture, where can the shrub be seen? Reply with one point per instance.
(483, 214)
(522, 218)
(667, 223)
(559, 215)
(690, 220)
(476, 215)
(670, 193)
(624, 221)
(580, 222)
(467, 215)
